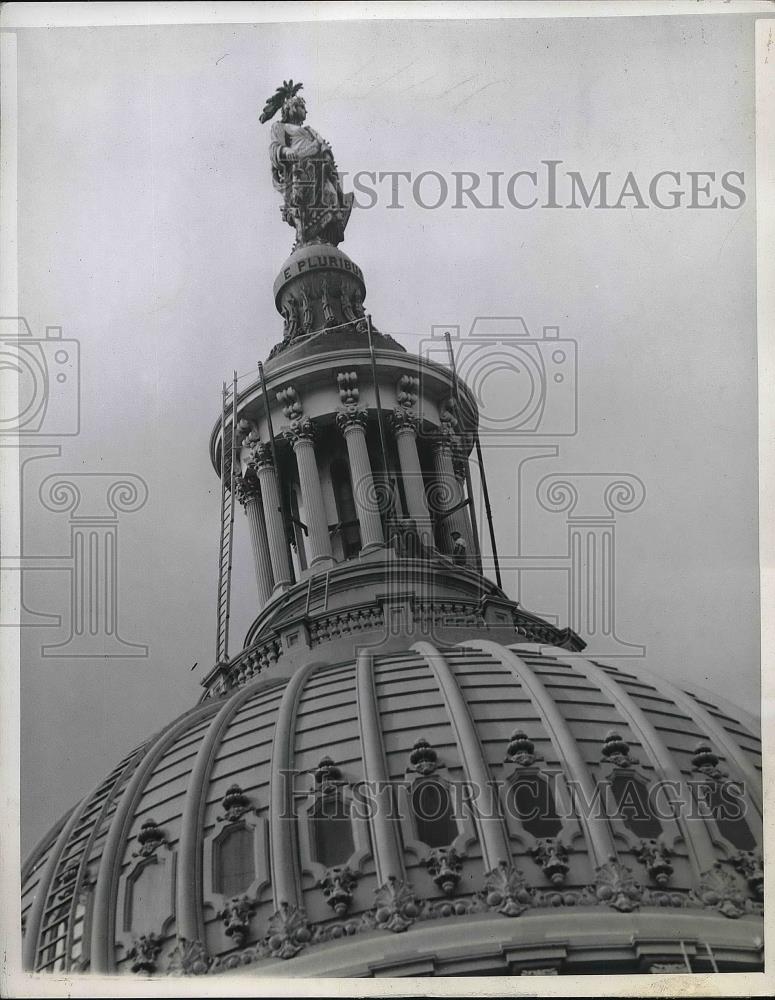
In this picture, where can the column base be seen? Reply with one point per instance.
(372, 547)
(323, 562)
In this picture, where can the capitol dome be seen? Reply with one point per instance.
(183, 858)
(402, 771)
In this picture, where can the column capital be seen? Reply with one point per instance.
(247, 489)
(351, 416)
(445, 439)
(261, 456)
(300, 430)
(403, 419)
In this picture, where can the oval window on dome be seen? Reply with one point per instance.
(727, 809)
(530, 800)
(332, 831)
(432, 810)
(235, 865)
(633, 806)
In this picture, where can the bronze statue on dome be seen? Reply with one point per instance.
(304, 171)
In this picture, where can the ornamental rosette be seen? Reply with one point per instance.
(395, 906)
(506, 890)
(616, 886)
(719, 890)
(144, 953)
(750, 864)
(288, 932)
(189, 958)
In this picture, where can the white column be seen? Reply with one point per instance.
(273, 518)
(249, 494)
(302, 436)
(404, 429)
(352, 423)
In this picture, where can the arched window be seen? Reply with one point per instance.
(432, 809)
(633, 806)
(332, 832)
(531, 801)
(727, 810)
(235, 865)
(346, 512)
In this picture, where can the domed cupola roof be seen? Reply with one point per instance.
(441, 792)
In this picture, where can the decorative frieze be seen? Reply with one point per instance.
(506, 892)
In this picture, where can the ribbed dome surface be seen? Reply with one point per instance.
(185, 858)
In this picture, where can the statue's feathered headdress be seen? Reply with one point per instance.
(280, 96)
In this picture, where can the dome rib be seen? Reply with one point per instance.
(487, 816)
(388, 856)
(696, 836)
(596, 828)
(283, 839)
(190, 913)
(44, 885)
(718, 735)
(104, 912)
(60, 857)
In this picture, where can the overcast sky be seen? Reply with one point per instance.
(149, 230)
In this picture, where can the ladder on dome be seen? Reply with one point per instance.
(228, 475)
